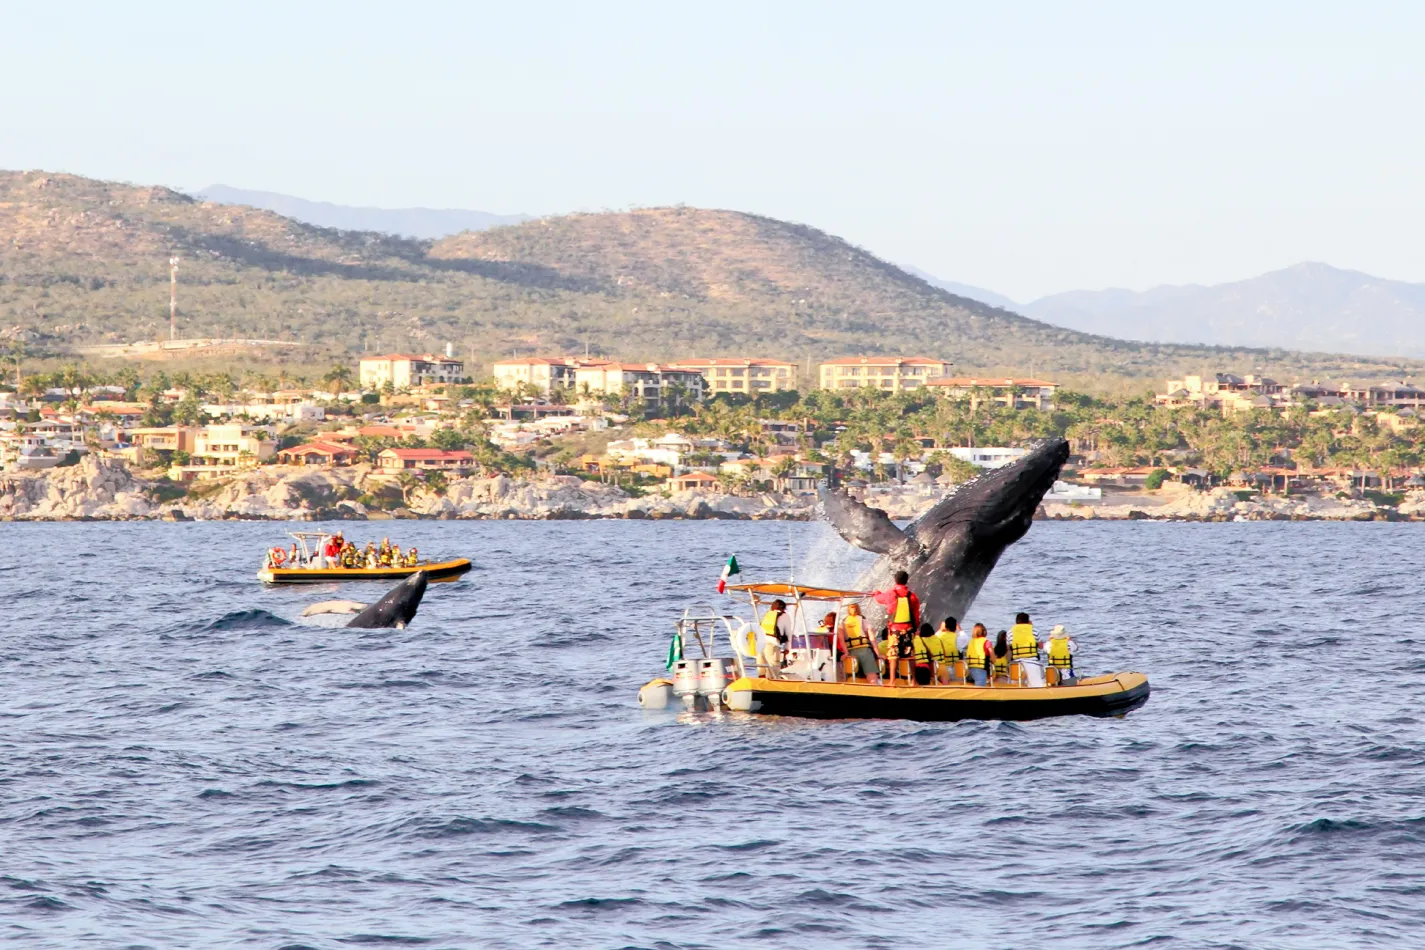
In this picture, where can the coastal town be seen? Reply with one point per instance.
(421, 435)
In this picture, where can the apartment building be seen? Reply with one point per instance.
(746, 375)
(1012, 393)
(404, 370)
(544, 373)
(888, 373)
(650, 382)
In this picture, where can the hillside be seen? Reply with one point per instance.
(402, 222)
(1308, 307)
(87, 261)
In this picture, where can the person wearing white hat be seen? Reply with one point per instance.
(1060, 650)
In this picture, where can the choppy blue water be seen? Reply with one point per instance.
(186, 765)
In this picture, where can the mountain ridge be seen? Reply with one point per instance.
(87, 262)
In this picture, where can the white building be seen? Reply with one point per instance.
(987, 457)
(650, 382)
(543, 373)
(404, 370)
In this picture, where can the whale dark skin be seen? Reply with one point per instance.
(397, 608)
(950, 550)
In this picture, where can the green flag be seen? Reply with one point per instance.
(675, 650)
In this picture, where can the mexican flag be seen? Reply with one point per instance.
(728, 569)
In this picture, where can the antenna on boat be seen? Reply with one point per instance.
(791, 562)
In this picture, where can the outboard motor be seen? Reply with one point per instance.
(685, 682)
(712, 679)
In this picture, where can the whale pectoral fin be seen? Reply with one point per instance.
(334, 607)
(870, 529)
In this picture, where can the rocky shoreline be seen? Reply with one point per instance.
(106, 490)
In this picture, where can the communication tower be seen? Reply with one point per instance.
(173, 297)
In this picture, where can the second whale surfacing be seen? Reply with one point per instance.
(396, 609)
(950, 550)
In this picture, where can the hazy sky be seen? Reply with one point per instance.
(1028, 148)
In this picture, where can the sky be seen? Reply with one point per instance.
(1029, 148)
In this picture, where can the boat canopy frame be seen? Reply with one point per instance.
(761, 595)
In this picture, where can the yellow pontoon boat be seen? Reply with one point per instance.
(811, 684)
(311, 566)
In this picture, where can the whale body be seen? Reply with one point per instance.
(950, 550)
(397, 608)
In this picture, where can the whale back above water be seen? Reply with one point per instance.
(950, 550)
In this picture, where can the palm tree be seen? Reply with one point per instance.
(338, 379)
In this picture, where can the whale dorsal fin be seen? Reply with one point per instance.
(870, 529)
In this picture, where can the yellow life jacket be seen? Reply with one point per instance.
(855, 634)
(902, 614)
(769, 625)
(975, 653)
(1002, 664)
(1059, 656)
(936, 645)
(947, 641)
(1022, 644)
(920, 650)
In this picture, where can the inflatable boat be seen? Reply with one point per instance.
(1110, 695)
(815, 686)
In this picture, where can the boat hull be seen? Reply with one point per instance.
(1111, 695)
(441, 571)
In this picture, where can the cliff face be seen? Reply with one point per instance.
(104, 489)
(95, 488)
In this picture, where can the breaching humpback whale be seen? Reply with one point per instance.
(396, 609)
(951, 549)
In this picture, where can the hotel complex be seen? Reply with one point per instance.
(890, 373)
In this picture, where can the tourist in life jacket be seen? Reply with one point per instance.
(1002, 655)
(370, 557)
(776, 631)
(397, 558)
(902, 616)
(412, 558)
(979, 655)
(924, 654)
(952, 643)
(855, 642)
(1060, 649)
(1023, 645)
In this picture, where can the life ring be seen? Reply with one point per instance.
(278, 557)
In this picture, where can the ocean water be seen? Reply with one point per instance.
(185, 764)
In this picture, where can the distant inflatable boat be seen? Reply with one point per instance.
(310, 566)
(435, 571)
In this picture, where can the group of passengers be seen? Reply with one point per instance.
(386, 555)
(338, 551)
(911, 652)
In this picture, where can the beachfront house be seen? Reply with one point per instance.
(221, 450)
(320, 453)
(425, 460)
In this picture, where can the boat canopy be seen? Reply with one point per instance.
(798, 591)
